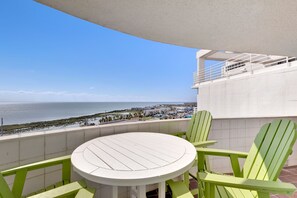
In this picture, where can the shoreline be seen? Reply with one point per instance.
(115, 116)
(65, 122)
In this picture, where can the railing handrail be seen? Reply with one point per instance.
(250, 63)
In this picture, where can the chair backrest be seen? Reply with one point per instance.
(270, 150)
(199, 127)
(5, 191)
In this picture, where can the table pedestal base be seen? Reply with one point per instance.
(162, 190)
(140, 191)
(115, 192)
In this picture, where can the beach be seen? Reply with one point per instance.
(49, 116)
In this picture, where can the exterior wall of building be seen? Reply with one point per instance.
(234, 134)
(269, 92)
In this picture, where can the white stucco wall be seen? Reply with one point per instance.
(24, 148)
(15, 150)
(271, 92)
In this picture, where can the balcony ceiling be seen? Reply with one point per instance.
(257, 26)
(216, 55)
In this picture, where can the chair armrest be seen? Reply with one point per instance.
(220, 152)
(85, 193)
(249, 184)
(203, 144)
(233, 155)
(62, 191)
(21, 172)
(38, 165)
(179, 134)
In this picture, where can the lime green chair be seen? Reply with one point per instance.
(198, 129)
(62, 189)
(259, 175)
(197, 133)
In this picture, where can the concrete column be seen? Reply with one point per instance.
(200, 69)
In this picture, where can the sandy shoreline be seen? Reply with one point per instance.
(86, 120)
(160, 111)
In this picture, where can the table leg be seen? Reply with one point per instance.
(141, 191)
(133, 192)
(114, 192)
(162, 190)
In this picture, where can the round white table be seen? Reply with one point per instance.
(134, 159)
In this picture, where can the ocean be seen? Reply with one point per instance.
(19, 113)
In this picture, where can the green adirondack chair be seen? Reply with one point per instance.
(259, 176)
(198, 129)
(197, 133)
(62, 189)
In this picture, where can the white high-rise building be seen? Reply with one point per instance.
(244, 85)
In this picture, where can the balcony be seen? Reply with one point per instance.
(241, 64)
(15, 150)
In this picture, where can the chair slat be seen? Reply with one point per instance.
(4, 188)
(283, 156)
(263, 150)
(274, 145)
(254, 150)
(205, 128)
(198, 129)
(223, 192)
(191, 125)
(279, 141)
(195, 126)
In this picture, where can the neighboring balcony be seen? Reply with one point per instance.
(241, 64)
(234, 134)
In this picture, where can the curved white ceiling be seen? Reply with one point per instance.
(258, 26)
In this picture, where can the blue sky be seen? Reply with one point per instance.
(47, 55)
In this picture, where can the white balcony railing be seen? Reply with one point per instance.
(240, 64)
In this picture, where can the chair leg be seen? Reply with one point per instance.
(201, 188)
(211, 190)
(19, 182)
(207, 190)
(187, 179)
(263, 195)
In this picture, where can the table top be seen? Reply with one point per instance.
(133, 159)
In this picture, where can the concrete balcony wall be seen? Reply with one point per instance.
(15, 150)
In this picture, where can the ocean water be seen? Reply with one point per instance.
(17, 113)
